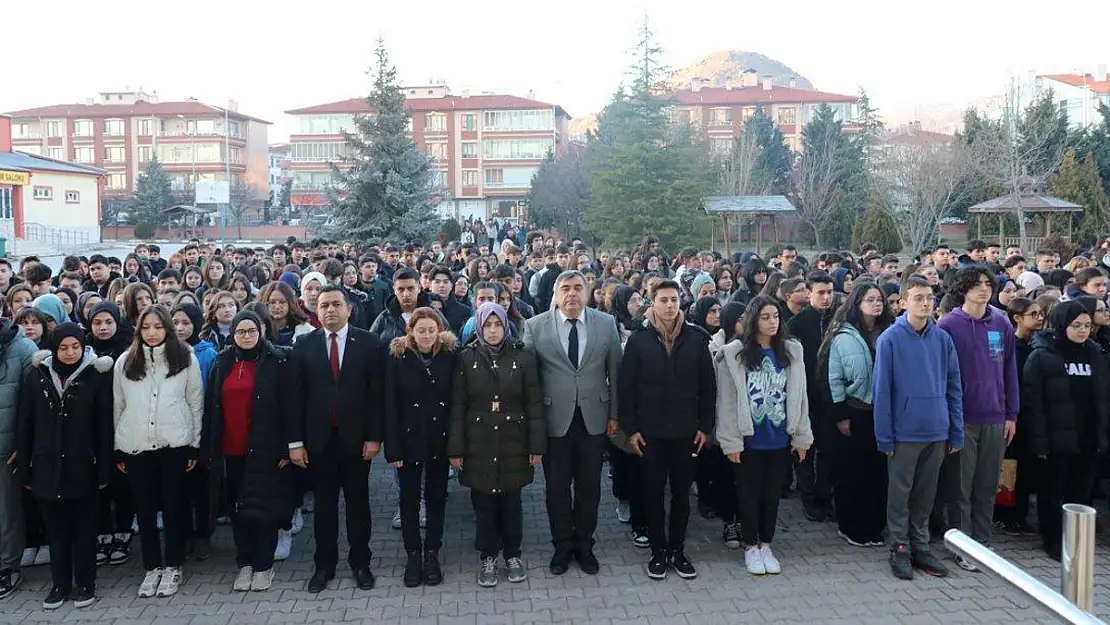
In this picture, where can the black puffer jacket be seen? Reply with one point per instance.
(417, 402)
(266, 492)
(1047, 403)
(64, 436)
(390, 324)
(497, 418)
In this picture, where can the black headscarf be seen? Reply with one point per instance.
(701, 310)
(195, 316)
(255, 352)
(730, 314)
(115, 346)
(79, 307)
(1058, 278)
(54, 340)
(619, 307)
(1061, 317)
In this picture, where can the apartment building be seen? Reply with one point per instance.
(122, 131)
(279, 158)
(1080, 95)
(722, 111)
(485, 148)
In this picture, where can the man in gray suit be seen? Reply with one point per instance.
(579, 353)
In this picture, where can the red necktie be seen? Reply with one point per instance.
(333, 357)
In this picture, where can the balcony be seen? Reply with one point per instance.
(36, 136)
(185, 134)
(507, 185)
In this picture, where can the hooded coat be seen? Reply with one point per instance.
(418, 401)
(390, 324)
(16, 351)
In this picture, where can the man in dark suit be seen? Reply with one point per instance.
(335, 430)
(578, 351)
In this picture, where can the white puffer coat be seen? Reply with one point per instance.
(158, 411)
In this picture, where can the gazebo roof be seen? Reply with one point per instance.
(747, 204)
(1030, 202)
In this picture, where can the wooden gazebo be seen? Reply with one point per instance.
(1031, 203)
(753, 207)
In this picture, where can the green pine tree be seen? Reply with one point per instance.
(1079, 181)
(383, 190)
(153, 193)
(774, 160)
(827, 181)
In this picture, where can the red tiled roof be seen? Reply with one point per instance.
(1081, 80)
(756, 95)
(138, 109)
(449, 103)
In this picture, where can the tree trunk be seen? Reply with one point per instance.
(816, 235)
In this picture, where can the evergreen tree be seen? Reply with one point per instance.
(877, 227)
(1079, 181)
(1095, 142)
(828, 163)
(383, 190)
(644, 176)
(774, 160)
(153, 193)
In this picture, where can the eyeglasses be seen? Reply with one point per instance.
(246, 332)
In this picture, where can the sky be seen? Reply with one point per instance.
(274, 55)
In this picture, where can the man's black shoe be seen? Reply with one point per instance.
(657, 566)
(9, 581)
(320, 580)
(365, 579)
(900, 563)
(414, 570)
(683, 566)
(433, 574)
(587, 561)
(929, 563)
(560, 562)
(55, 598)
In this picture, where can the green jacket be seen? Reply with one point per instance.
(850, 366)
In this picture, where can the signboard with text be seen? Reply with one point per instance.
(20, 178)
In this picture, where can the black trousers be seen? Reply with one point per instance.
(255, 539)
(332, 471)
(627, 485)
(946, 508)
(72, 539)
(117, 506)
(500, 523)
(434, 477)
(814, 474)
(667, 460)
(197, 504)
(861, 481)
(158, 482)
(33, 521)
(759, 478)
(573, 461)
(722, 491)
(1065, 478)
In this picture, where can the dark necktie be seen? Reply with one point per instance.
(333, 358)
(572, 343)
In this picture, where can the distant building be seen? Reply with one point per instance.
(60, 201)
(279, 156)
(485, 148)
(721, 111)
(121, 131)
(1079, 95)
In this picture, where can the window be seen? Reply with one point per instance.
(494, 177)
(117, 181)
(720, 146)
(43, 193)
(519, 120)
(436, 150)
(145, 152)
(233, 129)
(510, 177)
(326, 124)
(510, 149)
(201, 127)
(439, 178)
(54, 129)
(84, 155)
(788, 115)
(209, 153)
(20, 131)
(470, 178)
(113, 127)
(318, 152)
(145, 128)
(720, 116)
(434, 122)
(30, 149)
(237, 156)
(470, 149)
(747, 113)
(469, 122)
(83, 128)
(311, 179)
(57, 154)
(73, 197)
(113, 154)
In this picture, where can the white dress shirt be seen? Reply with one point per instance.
(564, 333)
(340, 338)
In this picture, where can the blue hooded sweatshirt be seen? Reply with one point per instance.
(987, 351)
(917, 393)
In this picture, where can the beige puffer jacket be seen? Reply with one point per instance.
(157, 411)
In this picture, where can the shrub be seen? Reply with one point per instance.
(143, 230)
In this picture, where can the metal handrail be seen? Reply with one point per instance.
(1026, 584)
(59, 238)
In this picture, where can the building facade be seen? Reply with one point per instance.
(122, 131)
(1078, 94)
(279, 157)
(721, 111)
(484, 148)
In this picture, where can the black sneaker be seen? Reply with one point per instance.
(121, 549)
(103, 549)
(9, 581)
(929, 563)
(414, 570)
(640, 539)
(55, 598)
(433, 574)
(900, 562)
(84, 596)
(681, 565)
(657, 567)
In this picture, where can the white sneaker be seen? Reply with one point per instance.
(243, 580)
(150, 584)
(298, 522)
(770, 562)
(42, 557)
(396, 524)
(159, 521)
(284, 545)
(753, 561)
(423, 515)
(966, 564)
(624, 511)
(262, 580)
(172, 578)
(28, 558)
(308, 503)
(135, 526)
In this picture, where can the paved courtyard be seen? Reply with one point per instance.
(823, 581)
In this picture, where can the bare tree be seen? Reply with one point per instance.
(917, 184)
(242, 198)
(817, 179)
(739, 175)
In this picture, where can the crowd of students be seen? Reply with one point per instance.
(160, 395)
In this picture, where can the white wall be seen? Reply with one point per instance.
(55, 212)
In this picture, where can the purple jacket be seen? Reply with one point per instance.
(987, 353)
